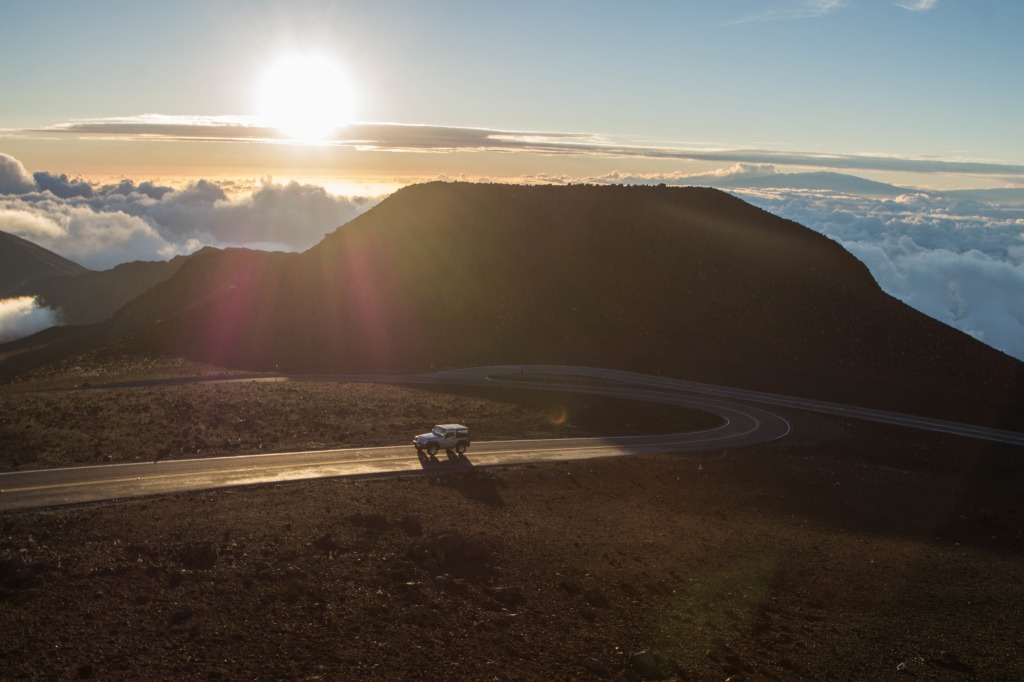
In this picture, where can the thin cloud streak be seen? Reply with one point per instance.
(795, 9)
(398, 137)
(918, 5)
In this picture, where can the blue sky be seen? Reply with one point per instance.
(872, 77)
(101, 97)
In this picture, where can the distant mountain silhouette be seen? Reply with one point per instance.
(832, 182)
(22, 261)
(688, 282)
(999, 196)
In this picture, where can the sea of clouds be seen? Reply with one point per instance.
(100, 226)
(957, 259)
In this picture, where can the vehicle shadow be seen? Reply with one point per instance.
(457, 472)
(451, 461)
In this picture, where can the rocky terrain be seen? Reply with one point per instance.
(845, 552)
(66, 415)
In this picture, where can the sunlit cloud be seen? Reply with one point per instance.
(955, 255)
(22, 316)
(918, 5)
(100, 226)
(957, 260)
(396, 137)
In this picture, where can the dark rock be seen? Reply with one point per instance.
(436, 550)
(291, 594)
(588, 613)
(645, 664)
(375, 522)
(411, 525)
(85, 671)
(509, 596)
(199, 555)
(328, 543)
(733, 659)
(513, 651)
(570, 586)
(596, 598)
(444, 543)
(175, 578)
(474, 550)
(949, 658)
(182, 614)
(592, 665)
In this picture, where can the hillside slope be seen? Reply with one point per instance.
(688, 282)
(22, 261)
(91, 297)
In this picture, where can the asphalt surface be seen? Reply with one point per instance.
(745, 423)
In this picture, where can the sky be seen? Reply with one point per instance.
(142, 130)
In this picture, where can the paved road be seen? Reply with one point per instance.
(527, 374)
(744, 423)
(741, 425)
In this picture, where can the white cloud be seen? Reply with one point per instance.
(958, 261)
(736, 172)
(96, 239)
(918, 5)
(23, 316)
(14, 179)
(35, 227)
(102, 226)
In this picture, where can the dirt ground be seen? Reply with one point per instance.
(848, 551)
(66, 416)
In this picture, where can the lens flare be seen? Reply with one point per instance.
(558, 416)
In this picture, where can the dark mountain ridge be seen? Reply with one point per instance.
(90, 297)
(689, 282)
(22, 262)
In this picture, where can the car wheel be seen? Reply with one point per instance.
(432, 449)
(460, 448)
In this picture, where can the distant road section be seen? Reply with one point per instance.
(745, 422)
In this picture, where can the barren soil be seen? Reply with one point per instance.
(66, 417)
(846, 552)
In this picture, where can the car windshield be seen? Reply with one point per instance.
(439, 432)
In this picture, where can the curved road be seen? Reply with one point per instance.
(743, 424)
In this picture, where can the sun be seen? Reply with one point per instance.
(305, 96)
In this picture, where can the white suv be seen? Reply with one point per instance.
(448, 436)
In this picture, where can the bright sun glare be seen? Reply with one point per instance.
(305, 96)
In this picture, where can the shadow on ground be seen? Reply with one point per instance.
(457, 472)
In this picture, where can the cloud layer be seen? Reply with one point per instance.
(958, 261)
(23, 316)
(102, 226)
(956, 256)
(427, 138)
